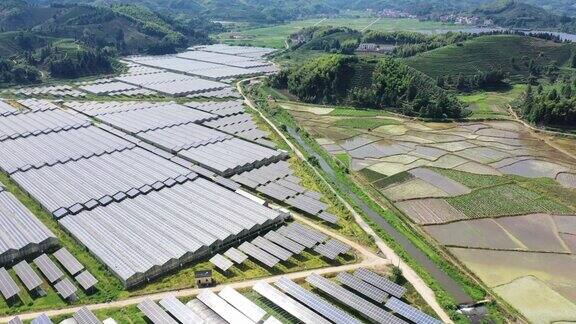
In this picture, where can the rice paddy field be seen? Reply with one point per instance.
(492, 194)
(274, 36)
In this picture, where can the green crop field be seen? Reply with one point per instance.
(363, 123)
(274, 36)
(492, 104)
(510, 199)
(487, 53)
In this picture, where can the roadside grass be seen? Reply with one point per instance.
(363, 123)
(345, 159)
(492, 104)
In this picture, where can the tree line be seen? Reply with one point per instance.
(554, 105)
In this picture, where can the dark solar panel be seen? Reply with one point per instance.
(380, 282)
(364, 307)
(65, 288)
(272, 248)
(155, 313)
(258, 254)
(338, 246)
(8, 286)
(85, 316)
(68, 261)
(284, 242)
(410, 312)
(323, 250)
(362, 287)
(48, 268)
(315, 302)
(86, 280)
(309, 232)
(27, 275)
(296, 236)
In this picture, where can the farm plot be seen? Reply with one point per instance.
(510, 199)
(430, 211)
(566, 224)
(534, 169)
(476, 233)
(536, 301)
(413, 189)
(537, 232)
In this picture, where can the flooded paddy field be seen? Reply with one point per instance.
(498, 198)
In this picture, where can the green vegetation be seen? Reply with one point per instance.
(349, 112)
(517, 56)
(509, 199)
(367, 194)
(362, 123)
(327, 79)
(554, 105)
(492, 104)
(474, 181)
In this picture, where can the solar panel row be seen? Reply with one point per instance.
(29, 152)
(235, 255)
(243, 304)
(66, 288)
(8, 286)
(182, 313)
(362, 287)
(222, 308)
(86, 280)
(288, 304)
(315, 302)
(258, 254)
(381, 282)
(410, 312)
(85, 316)
(48, 268)
(352, 300)
(21, 233)
(70, 263)
(72, 187)
(28, 276)
(284, 242)
(272, 248)
(221, 262)
(34, 124)
(155, 313)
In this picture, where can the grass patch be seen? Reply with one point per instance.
(371, 175)
(504, 200)
(472, 180)
(363, 123)
(351, 112)
(492, 104)
(345, 159)
(393, 179)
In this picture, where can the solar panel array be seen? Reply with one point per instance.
(222, 308)
(86, 280)
(362, 287)
(108, 88)
(7, 109)
(85, 316)
(277, 181)
(34, 124)
(34, 152)
(225, 59)
(241, 125)
(21, 233)
(367, 309)
(246, 51)
(174, 84)
(332, 248)
(383, 283)
(235, 255)
(48, 268)
(65, 288)
(73, 187)
(220, 108)
(196, 68)
(15, 320)
(243, 304)
(155, 313)
(27, 275)
(221, 262)
(259, 254)
(42, 319)
(219, 94)
(8, 286)
(205, 312)
(272, 248)
(288, 304)
(179, 311)
(410, 312)
(315, 302)
(70, 263)
(158, 231)
(284, 242)
(184, 137)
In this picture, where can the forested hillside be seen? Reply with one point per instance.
(389, 84)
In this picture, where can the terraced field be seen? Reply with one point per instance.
(499, 199)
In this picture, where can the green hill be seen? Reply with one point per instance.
(510, 53)
(516, 14)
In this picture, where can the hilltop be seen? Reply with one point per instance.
(518, 56)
